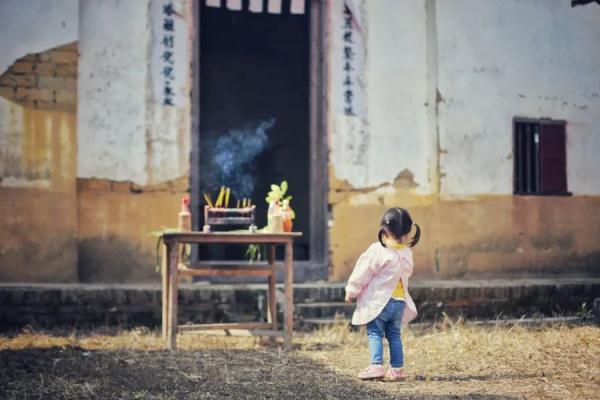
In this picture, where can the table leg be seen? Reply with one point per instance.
(289, 295)
(272, 291)
(165, 290)
(172, 310)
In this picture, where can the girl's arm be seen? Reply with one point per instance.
(367, 265)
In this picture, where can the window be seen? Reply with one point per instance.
(540, 165)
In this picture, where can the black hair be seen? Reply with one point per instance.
(397, 222)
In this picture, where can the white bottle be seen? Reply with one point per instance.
(274, 218)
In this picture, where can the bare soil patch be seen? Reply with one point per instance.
(449, 361)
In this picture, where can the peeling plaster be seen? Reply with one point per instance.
(394, 128)
(483, 90)
(123, 134)
(38, 25)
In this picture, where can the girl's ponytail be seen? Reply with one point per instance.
(380, 236)
(415, 239)
(396, 223)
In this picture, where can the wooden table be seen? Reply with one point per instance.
(172, 269)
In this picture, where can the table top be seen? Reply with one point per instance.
(230, 237)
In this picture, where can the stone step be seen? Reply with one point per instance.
(324, 309)
(312, 323)
(82, 305)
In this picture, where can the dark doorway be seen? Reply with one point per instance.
(254, 106)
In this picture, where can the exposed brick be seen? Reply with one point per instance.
(64, 57)
(24, 80)
(66, 96)
(25, 94)
(121, 186)
(44, 105)
(22, 67)
(22, 94)
(7, 80)
(93, 184)
(71, 46)
(66, 70)
(30, 57)
(8, 92)
(40, 94)
(52, 82)
(45, 68)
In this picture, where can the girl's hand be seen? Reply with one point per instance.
(349, 299)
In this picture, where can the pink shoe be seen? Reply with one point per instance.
(373, 371)
(395, 374)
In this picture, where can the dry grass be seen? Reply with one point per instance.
(450, 361)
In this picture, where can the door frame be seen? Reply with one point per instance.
(317, 268)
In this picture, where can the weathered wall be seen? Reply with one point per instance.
(440, 109)
(392, 135)
(129, 152)
(534, 59)
(116, 221)
(122, 134)
(37, 168)
(32, 26)
(133, 154)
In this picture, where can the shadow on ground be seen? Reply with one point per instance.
(72, 372)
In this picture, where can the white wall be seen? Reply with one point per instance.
(500, 59)
(32, 26)
(112, 90)
(122, 134)
(395, 126)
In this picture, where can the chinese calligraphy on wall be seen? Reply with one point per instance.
(351, 139)
(170, 61)
(351, 36)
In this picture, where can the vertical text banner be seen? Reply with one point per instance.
(351, 142)
(350, 53)
(169, 53)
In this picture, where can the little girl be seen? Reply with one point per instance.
(379, 282)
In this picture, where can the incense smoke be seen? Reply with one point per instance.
(232, 156)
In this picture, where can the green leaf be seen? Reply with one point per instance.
(284, 187)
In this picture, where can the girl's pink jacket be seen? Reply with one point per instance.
(375, 277)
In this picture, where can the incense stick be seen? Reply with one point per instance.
(227, 194)
(208, 200)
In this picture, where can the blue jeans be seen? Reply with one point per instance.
(387, 323)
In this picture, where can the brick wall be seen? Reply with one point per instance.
(46, 81)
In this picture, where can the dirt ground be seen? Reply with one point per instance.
(449, 361)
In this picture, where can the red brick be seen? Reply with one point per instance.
(22, 67)
(64, 57)
(52, 82)
(92, 184)
(7, 92)
(121, 187)
(44, 105)
(25, 94)
(71, 46)
(30, 57)
(45, 68)
(66, 96)
(66, 70)
(25, 80)
(17, 80)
